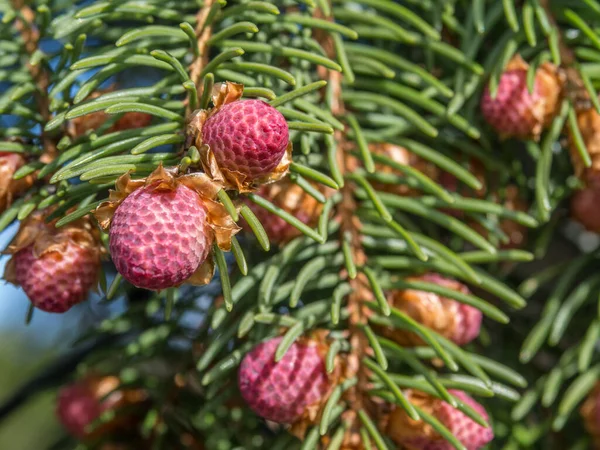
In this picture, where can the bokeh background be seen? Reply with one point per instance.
(33, 359)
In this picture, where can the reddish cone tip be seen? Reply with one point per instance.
(512, 111)
(472, 435)
(282, 391)
(247, 136)
(158, 238)
(56, 281)
(77, 408)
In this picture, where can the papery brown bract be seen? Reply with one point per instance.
(455, 321)
(588, 123)
(9, 187)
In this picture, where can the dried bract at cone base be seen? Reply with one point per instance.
(168, 202)
(352, 439)
(515, 112)
(402, 156)
(588, 122)
(590, 413)
(293, 390)
(81, 403)
(9, 187)
(418, 435)
(455, 321)
(584, 203)
(56, 267)
(293, 199)
(237, 171)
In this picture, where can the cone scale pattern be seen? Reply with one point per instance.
(282, 391)
(516, 112)
(158, 238)
(249, 137)
(57, 280)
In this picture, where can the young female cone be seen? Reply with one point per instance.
(56, 267)
(243, 143)
(292, 390)
(161, 228)
(516, 112)
(81, 403)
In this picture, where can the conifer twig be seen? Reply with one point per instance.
(360, 290)
(204, 33)
(25, 24)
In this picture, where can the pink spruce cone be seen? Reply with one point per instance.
(57, 280)
(509, 112)
(77, 407)
(282, 391)
(81, 403)
(454, 320)
(413, 435)
(247, 136)
(516, 112)
(158, 238)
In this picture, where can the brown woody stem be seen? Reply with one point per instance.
(31, 37)
(351, 230)
(203, 33)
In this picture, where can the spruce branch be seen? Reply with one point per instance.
(26, 26)
(203, 33)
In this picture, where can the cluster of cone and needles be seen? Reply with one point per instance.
(352, 185)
